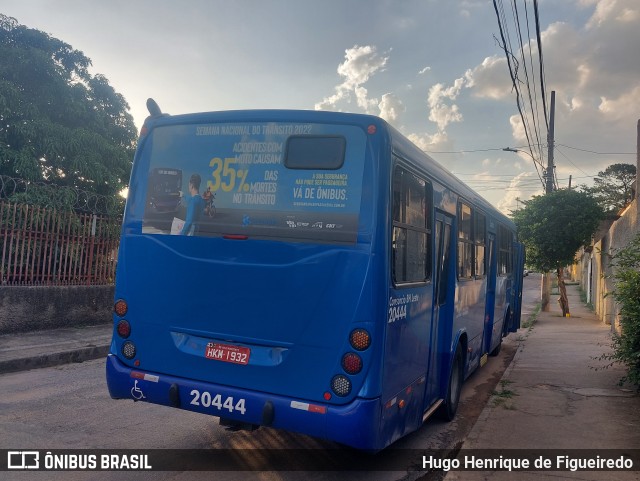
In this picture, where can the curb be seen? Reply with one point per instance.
(54, 359)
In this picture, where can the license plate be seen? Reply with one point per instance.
(227, 353)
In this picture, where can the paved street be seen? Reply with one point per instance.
(68, 407)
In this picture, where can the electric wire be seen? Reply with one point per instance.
(531, 127)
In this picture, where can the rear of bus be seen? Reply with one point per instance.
(262, 312)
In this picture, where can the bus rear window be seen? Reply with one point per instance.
(285, 181)
(315, 152)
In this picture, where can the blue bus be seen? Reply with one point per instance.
(345, 287)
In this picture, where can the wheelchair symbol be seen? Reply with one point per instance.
(136, 392)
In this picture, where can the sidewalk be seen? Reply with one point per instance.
(551, 397)
(30, 350)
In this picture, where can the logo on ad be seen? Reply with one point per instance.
(23, 460)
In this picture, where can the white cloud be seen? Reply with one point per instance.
(424, 70)
(516, 190)
(359, 65)
(517, 128)
(391, 107)
(490, 79)
(607, 10)
(624, 107)
(440, 111)
(432, 142)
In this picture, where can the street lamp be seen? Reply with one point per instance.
(511, 149)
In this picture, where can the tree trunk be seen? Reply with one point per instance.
(545, 291)
(563, 300)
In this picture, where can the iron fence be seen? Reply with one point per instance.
(43, 246)
(59, 197)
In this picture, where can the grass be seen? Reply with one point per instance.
(533, 317)
(504, 396)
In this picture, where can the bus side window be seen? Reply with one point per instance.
(480, 235)
(504, 251)
(411, 233)
(465, 242)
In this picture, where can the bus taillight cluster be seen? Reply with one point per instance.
(123, 329)
(360, 340)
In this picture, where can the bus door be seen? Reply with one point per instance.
(516, 293)
(489, 317)
(443, 295)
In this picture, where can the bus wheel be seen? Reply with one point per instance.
(497, 349)
(456, 376)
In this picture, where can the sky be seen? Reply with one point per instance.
(434, 69)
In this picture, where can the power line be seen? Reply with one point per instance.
(542, 78)
(541, 145)
(527, 83)
(504, 34)
(535, 89)
(571, 162)
(530, 121)
(597, 153)
(457, 151)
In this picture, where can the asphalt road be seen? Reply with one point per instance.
(68, 407)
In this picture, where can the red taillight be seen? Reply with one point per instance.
(360, 339)
(120, 307)
(124, 329)
(351, 363)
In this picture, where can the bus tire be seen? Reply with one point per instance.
(497, 349)
(456, 376)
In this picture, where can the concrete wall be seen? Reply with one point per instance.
(34, 308)
(594, 265)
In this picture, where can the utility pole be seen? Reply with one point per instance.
(545, 293)
(550, 141)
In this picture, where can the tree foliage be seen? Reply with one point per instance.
(58, 123)
(613, 187)
(553, 227)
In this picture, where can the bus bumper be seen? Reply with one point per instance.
(356, 424)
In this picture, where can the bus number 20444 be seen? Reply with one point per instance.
(207, 400)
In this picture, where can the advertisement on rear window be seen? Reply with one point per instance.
(265, 180)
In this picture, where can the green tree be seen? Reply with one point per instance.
(553, 227)
(626, 278)
(58, 123)
(613, 187)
